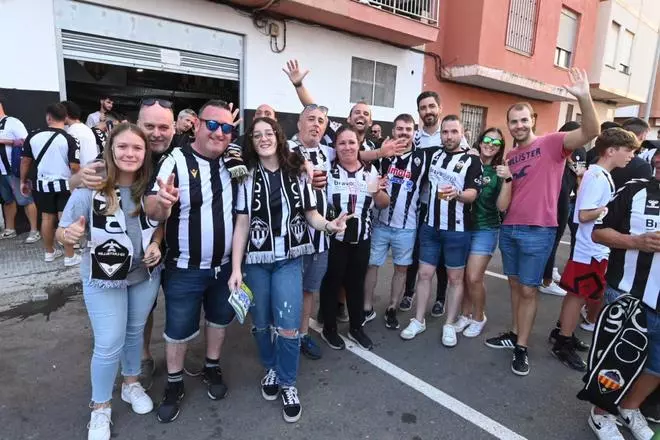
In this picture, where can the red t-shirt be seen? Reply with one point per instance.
(537, 171)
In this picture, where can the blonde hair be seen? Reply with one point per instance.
(142, 176)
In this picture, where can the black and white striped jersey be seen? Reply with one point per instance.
(54, 169)
(460, 170)
(407, 173)
(347, 192)
(331, 134)
(199, 231)
(10, 129)
(321, 158)
(648, 154)
(635, 210)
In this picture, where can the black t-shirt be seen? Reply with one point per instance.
(275, 183)
(569, 181)
(638, 168)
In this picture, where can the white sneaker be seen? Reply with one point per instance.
(137, 397)
(636, 423)
(49, 257)
(413, 329)
(449, 335)
(584, 313)
(99, 424)
(552, 289)
(33, 237)
(588, 326)
(461, 323)
(72, 261)
(604, 426)
(556, 276)
(474, 329)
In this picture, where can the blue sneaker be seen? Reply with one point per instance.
(309, 348)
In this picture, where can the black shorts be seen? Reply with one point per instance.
(51, 202)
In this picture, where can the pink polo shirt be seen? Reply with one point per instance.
(537, 171)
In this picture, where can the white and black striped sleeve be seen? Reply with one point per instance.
(164, 169)
(308, 195)
(27, 147)
(241, 204)
(473, 175)
(73, 150)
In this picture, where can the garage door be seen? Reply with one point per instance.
(85, 47)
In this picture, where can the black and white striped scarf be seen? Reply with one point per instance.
(261, 242)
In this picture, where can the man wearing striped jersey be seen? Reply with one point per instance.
(395, 226)
(631, 229)
(56, 155)
(455, 179)
(307, 144)
(194, 194)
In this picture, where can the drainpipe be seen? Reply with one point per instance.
(649, 98)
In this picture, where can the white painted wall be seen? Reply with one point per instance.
(29, 47)
(326, 53)
(642, 18)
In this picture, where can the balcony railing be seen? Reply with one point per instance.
(426, 11)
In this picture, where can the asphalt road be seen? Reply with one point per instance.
(405, 389)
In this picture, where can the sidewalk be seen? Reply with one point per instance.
(25, 276)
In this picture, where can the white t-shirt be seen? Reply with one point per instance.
(596, 190)
(12, 129)
(85, 136)
(93, 119)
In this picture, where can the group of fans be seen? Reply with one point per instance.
(190, 210)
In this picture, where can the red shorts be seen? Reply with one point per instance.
(585, 280)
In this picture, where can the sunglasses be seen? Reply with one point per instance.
(212, 125)
(493, 142)
(323, 108)
(148, 102)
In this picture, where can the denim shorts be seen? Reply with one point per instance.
(525, 251)
(653, 325)
(186, 290)
(453, 245)
(10, 191)
(314, 267)
(611, 294)
(402, 242)
(484, 242)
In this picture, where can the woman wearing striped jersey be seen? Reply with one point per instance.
(119, 269)
(274, 207)
(493, 199)
(352, 188)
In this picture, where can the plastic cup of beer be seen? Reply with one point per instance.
(100, 168)
(444, 191)
(372, 183)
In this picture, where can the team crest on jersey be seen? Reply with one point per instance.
(417, 161)
(610, 381)
(459, 165)
(258, 232)
(194, 173)
(298, 227)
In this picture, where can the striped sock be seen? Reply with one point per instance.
(212, 363)
(175, 377)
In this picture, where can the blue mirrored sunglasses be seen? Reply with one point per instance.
(214, 125)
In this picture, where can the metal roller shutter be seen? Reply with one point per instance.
(85, 47)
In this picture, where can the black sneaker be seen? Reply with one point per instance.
(213, 379)
(406, 303)
(147, 372)
(651, 410)
(579, 344)
(333, 339)
(170, 406)
(269, 386)
(369, 315)
(360, 338)
(503, 340)
(438, 309)
(291, 408)
(566, 355)
(520, 361)
(390, 319)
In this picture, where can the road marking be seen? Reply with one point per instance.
(497, 275)
(454, 405)
(567, 243)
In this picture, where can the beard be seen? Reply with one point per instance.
(430, 120)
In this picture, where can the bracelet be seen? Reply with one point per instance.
(297, 84)
(325, 228)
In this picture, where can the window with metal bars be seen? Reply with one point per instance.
(473, 118)
(521, 27)
(373, 82)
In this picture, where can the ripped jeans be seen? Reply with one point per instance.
(277, 289)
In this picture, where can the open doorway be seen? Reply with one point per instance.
(87, 81)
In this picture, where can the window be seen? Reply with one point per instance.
(373, 82)
(568, 28)
(521, 28)
(626, 51)
(612, 44)
(569, 112)
(474, 118)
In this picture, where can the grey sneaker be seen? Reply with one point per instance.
(33, 237)
(146, 377)
(406, 303)
(8, 233)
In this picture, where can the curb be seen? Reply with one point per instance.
(15, 291)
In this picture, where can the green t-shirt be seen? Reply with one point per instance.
(485, 214)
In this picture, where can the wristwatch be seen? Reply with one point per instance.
(508, 179)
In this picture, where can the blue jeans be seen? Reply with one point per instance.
(454, 246)
(525, 251)
(277, 308)
(653, 325)
(402, 242)
(118, 317)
